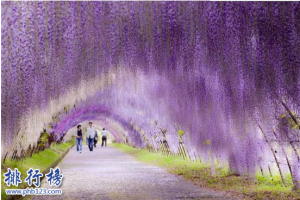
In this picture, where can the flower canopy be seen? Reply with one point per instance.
(215, 70)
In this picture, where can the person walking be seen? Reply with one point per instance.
(90, 134)
(95, 139)
(78, 138)
(87, 140)
(104, 137)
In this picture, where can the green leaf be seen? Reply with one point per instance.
(180, 132)
(208, 142)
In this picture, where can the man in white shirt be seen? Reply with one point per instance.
(90, 134)
(104, 137)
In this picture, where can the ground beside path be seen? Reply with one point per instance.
(107, 174)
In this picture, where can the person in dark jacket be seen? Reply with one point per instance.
(78, 138)
(95, 139)
(104, 137)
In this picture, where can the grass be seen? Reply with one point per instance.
(242, 187)
(42, 160)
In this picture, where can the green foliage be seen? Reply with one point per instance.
(200, 174)
(180, 132)
(288, 120)
(275, 180)
(66, 108)
(44, 137)
(208, 142)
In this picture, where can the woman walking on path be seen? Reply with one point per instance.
(78, 136)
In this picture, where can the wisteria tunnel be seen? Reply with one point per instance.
(219, 79)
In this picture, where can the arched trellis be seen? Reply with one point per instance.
(217, 73)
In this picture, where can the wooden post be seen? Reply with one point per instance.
(167, 146)
(28, 151)
(273, 152)
(291, 114)
(195, 156)
(14, 156)
(297, 123)
(187, 155)
(158, 146)
(32, 151)
(270, 170)
(22, 154)
(161, 147)
(286, 158)
(181, 150)
(5, 157)
(261, 170)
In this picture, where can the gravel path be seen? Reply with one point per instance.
(107, 173)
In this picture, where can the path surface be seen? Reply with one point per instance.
(107, 173)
